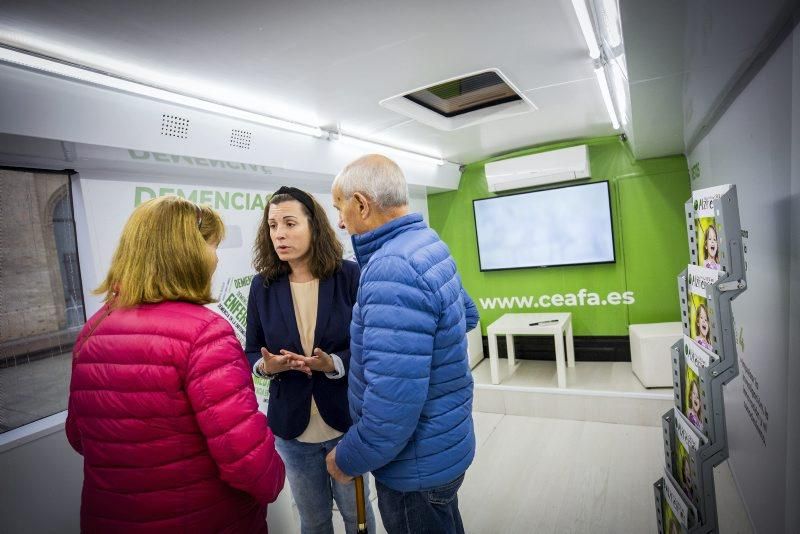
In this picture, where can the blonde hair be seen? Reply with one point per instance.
(162, 254)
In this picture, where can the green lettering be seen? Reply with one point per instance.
(231, 301)
(222, 200)
(258, 203)
(158, 156)
(164, 191)
(252, 167)
(141, 191)
(236, 308)
(233, 165)
(237, 206)
(139, 154)
(188, 160)
(193, 196)
(242, 282)
(175, 159)
(216, 163)
(203, 162)
(179, 192)
(206, 197)
(241, 316)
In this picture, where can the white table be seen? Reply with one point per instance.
(519, 324)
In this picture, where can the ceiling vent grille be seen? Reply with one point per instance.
(464, 95)
(464, 101)
(241, 139)
(174, 126)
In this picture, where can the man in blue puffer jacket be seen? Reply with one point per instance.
(410, 386)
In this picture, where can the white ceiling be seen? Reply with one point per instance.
(330, 63)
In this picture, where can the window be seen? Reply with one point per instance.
(41, 300)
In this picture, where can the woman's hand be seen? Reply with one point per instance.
(278, 363)
(320, 361)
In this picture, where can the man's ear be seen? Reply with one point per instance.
(363, 205)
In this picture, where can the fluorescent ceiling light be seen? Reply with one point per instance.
(121, 84)
(388, 150)
(600, 73)
(609, 13)
(620, 93)
(586, 27)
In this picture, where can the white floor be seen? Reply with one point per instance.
(564, 475)
(537, 475)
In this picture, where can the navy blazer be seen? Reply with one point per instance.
(271, 323)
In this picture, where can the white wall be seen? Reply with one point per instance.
(755, 146)
(721, 36)
(793, 413)
(40, 486)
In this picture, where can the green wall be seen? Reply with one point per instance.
(647, 200)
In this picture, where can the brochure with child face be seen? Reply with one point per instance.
(684, 457)
(695, 358)
(710, 252)
(701, 319)
(675, 508)
(669, 520)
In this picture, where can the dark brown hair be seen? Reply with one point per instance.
(326, 251)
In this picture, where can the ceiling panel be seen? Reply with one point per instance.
(330, 63)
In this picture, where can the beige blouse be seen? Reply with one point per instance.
(305, 297)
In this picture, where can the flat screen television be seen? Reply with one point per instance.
(547, 228)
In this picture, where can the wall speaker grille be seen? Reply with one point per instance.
(174, 126)
(241, 139)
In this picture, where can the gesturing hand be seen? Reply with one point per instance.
(320, 361)
(277, 363)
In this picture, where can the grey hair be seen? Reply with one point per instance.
(376, 177)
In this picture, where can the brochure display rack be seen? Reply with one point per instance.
(695, 437)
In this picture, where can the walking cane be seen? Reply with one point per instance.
(361, 508)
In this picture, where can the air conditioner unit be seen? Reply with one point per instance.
(539, 169)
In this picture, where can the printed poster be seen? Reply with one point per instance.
(232, 304)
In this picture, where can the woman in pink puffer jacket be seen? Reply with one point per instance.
(161, 404)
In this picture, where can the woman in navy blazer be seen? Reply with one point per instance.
(298, 334)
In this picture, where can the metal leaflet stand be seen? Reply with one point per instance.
(722, 371)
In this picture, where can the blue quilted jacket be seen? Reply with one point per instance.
(410, 386)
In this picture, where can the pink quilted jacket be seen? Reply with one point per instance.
(162, 409)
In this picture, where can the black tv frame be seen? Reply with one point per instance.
(611, 221)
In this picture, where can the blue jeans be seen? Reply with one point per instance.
(433, 511)
(313, 489)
